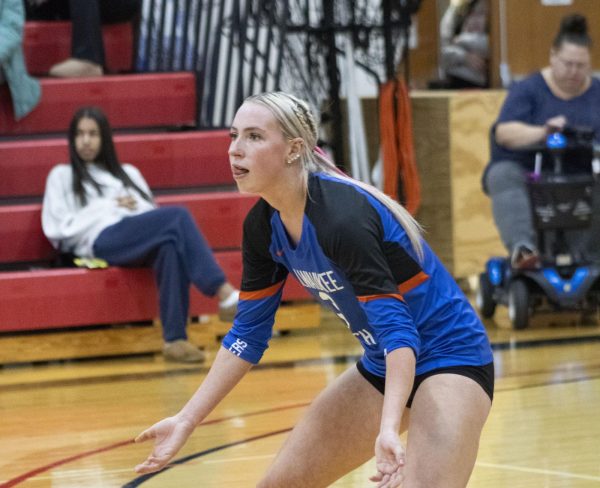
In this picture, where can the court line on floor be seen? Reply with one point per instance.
(34, 472)
(145, 477)
(77, 473)
(30, 474)
(522, 469)
(238, 459)
(533, 343)
(561, 381)
(19, 479)
(342, 359)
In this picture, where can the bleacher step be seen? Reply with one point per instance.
(129, 339)
(129, 101)
(167, 160)
(220, 215)
(56, 298)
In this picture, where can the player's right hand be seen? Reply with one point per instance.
(169, 436)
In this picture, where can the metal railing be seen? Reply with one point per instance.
(231, 45)
(240, 47)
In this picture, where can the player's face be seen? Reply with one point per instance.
(88, 139)
(570, 66)
(258, 150)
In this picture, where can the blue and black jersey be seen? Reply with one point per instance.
(356, 259)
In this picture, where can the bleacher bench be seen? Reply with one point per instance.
(168, 160)
(130, 101)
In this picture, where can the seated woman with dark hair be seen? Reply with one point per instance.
(97, 207)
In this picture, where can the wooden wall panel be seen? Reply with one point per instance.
(432, 140)
(452, 147)
(474, 234)
(451, 137)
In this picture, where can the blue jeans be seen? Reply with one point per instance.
(168, 240)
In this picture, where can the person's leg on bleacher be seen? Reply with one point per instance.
(87, 18)
(168, 240)
(87, 47)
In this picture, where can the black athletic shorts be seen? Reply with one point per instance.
(482, 375)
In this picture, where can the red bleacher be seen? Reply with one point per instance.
(46, 299)
(50, 298)
(130, 101)
(167, 160)
(56, 298)
(38, 297)
(220, 216)
(47, 43)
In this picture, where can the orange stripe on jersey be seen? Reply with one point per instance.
(413, 282)
(368, 298)
(258, 294)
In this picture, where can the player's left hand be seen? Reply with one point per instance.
(390, 459)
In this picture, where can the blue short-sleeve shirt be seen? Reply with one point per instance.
(531, 101)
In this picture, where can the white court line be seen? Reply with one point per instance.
(563, 474)
(233, 460)
(507, 467)
(78, 473)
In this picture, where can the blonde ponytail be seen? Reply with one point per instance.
(412, 228)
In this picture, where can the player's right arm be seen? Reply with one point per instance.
(243, 346)
(171, 433)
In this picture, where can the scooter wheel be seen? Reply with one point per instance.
(519, 304)
(484, 299)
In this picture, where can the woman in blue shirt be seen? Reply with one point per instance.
(427, 364)
(563, 93)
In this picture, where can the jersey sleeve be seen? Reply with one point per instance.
(260, 294)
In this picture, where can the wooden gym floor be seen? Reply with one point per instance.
(70, 424)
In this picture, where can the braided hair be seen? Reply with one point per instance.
(296, 119)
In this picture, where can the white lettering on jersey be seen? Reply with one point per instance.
(238, 347)
(366, 337)
(318, 281)
(363, 335)
(326, 298)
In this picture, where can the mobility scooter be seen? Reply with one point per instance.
(564, 280)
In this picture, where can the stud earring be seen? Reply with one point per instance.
(292, 159)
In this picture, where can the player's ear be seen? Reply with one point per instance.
(296, 147)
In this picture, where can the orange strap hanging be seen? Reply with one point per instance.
(400, 175)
